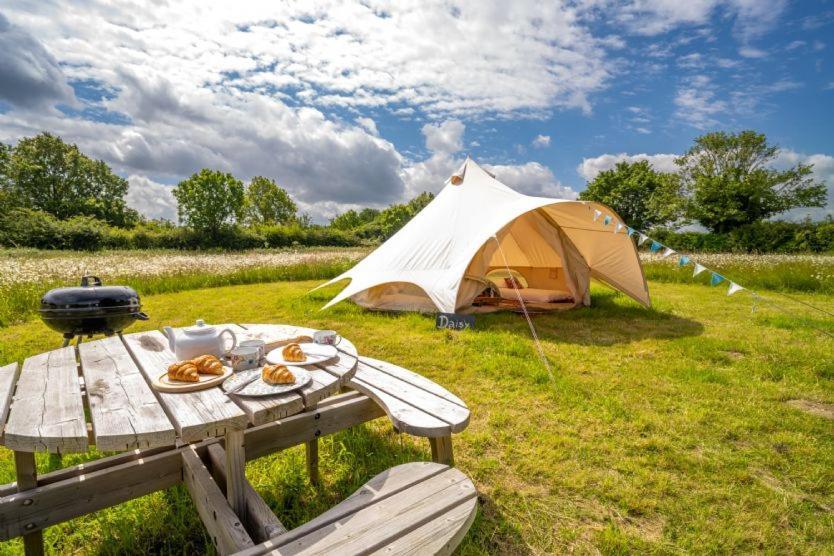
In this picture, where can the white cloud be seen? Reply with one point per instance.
(446, 138)
(368, 125)
(654, 17)
(30, 76)
(375, 54)
(589, 168)
(151, 198)
(750, 52)
(531, 178)
(697, 103)
(541, 141)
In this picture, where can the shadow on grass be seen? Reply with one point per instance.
(347, 461)
(611, 319)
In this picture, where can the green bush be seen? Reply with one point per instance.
(32, 228)
(760, 237)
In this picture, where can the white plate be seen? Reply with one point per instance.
(259, 388)
(316, 353)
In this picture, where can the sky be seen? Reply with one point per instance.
(355, 104)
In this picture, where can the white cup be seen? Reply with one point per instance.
(327, 337)
(259, 344)
(243, 358)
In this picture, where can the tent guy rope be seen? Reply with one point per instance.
(536, 340)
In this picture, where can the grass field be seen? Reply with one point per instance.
(660, 431)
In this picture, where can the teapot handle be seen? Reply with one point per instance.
(234, 339)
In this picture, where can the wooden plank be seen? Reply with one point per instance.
(311, 452)
(262, 523)
(390, 482)
(439, 536)
(89, 487)
(412, 410)
(87, 467)
(382, 523)
(309, 425)
(195, 415)
(441, 450)
(124, 410)
(47, 505)
(27, 478)
(405, 417)
(8, 377)
(379, 520)
(224, 527)
(236, 473)
(412, 378)
(47, 412)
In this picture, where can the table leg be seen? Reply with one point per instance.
(27, 478)
(312, 447)
(441, 450)
(236, 473)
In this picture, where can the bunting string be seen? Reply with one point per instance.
(715, 278)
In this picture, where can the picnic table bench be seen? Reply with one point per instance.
(98, 394)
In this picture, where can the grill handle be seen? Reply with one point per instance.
(90, 280)
(141, 316)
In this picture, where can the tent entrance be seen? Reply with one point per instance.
(551, 273)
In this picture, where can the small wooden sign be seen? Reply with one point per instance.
(454, 321)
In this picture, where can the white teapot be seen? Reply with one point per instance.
(201, 339)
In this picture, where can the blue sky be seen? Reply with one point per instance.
(364, 104)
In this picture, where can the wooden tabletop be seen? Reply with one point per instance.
(42, 406)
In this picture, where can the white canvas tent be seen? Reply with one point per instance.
(441, 260)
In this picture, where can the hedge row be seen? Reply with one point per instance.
(762, 237)
(29, 228)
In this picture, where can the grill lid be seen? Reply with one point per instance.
(90, 296)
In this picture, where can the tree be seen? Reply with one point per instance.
(352, 219)
(392, 219)
(209, 200)
(642, 196)
(7, 198)
(268, 203)
(731, 183)
(47, 174)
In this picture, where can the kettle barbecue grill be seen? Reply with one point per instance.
(92, 308)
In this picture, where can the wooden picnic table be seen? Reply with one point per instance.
(98, 393)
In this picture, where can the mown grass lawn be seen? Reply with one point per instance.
(660, 431)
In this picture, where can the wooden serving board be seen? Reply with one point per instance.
(206, 381)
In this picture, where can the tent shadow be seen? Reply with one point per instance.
(608, 321)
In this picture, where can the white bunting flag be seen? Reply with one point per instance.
(619, 227)
(699, 268)
(666, 252)
(643, 239)
(597, 214)
(734, 288)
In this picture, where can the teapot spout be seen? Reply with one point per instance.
(169, 332)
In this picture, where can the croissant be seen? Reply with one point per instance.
(277, 374)
(184, 371)
(294, 353)
(208, 365)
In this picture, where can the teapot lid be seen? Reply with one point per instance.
(199, 329)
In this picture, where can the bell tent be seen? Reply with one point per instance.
(479, 245)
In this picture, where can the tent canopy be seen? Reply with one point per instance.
(441, 259)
